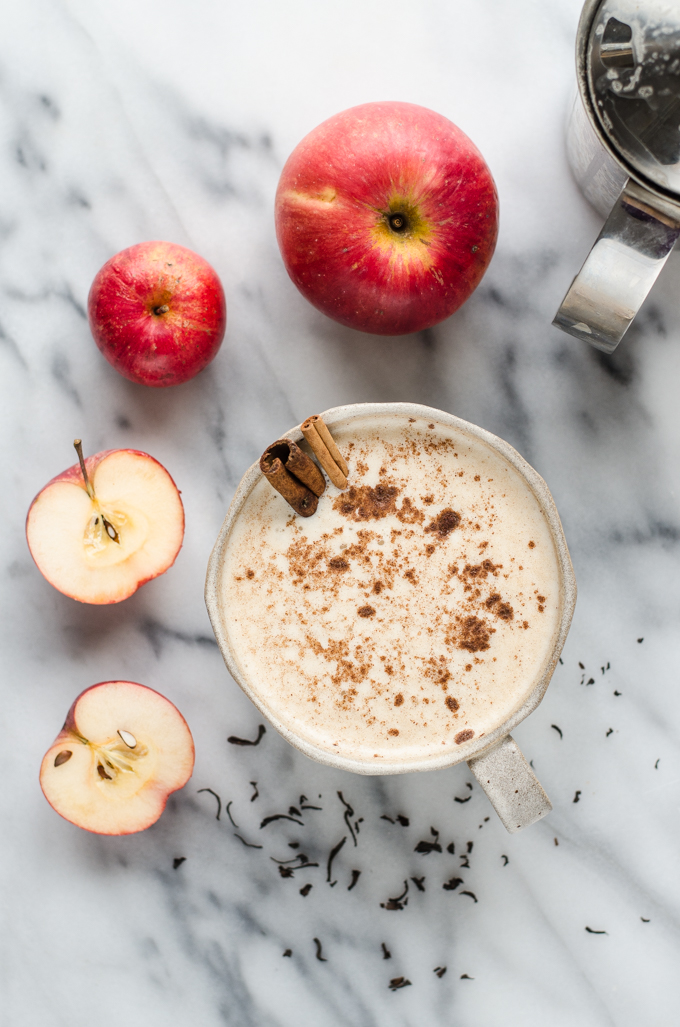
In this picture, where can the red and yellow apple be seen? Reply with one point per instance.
(157, 312)
(386, 217)
(123, 750)
(106, 526)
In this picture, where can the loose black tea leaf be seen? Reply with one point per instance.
(306, 890)
(404, 821)
(307, 806)
(399, 902)
(452, 884)
(331, 856)
(399, 982)
(356, 874)
(255, 793)
(558, 729)
(248, 845)
(506, 859)
(468, 785)
(288, 952)
(294, 812)
(577, 796)
(469, 846)
(386, 952)
(466, 799)
(418, 881)
(617, 693)
(640, 640)
(471, 894)
(349, 812)
(561, 661)
(293, 845)
(644, 920)
(280, 816)
(556, 842)
(177, 861)
(286, 871)
(581, 665)
(219, 801)
(451, 848)
(233, 740)
(440, 971)
(425, 847)
(226, 810)
(464, 863)
(591, 931)
(319, 950)
(466, 977)
(385, 817)
(656, 765)
(610, 732)
(591, 681)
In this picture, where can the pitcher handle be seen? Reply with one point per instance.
(511, 785)
(621, 268)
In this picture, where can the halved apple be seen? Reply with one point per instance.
(106, 526)
(123, 749)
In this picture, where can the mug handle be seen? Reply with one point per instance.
(511, 786)
(621, 268)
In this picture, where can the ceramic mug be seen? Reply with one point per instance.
(495, 759)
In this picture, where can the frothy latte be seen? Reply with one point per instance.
(413, 613)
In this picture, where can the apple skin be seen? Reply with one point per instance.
(338, 189)
(73, 475)
(157, 349)
(156, 797)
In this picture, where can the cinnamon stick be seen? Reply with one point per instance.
(328, 441)
(322, 453)
(293, 475)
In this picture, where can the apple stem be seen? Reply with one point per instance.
(398, 222)
(108, 527)
(78, 445)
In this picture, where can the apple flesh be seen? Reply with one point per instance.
(122, 751)
(386, 217)
(157, 312)
(100, 548)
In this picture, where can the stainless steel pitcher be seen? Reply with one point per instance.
(623, 145)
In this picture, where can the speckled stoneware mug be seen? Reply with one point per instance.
(491, 754)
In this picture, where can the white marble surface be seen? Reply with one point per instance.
(145, 120)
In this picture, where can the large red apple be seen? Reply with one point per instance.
(122, 751)
(157, 312)
(106, 526)
(386, 217)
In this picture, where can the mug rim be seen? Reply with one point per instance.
(475, 746)
(586, 19)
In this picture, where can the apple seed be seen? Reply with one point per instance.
(63, 757)
(102, 773)
(128, 738)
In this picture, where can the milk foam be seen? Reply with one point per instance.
(413, 612)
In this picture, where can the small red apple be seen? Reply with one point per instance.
(157, 312)
(106, 525)
(386, 217)
(122, 751)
